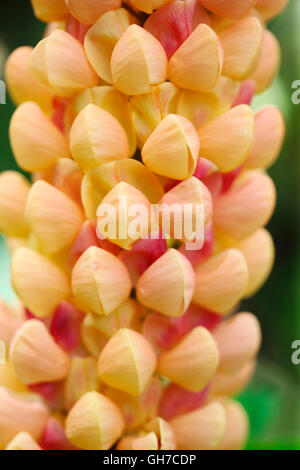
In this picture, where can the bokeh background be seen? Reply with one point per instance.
(273, 397)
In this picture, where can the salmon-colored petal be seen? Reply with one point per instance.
(67, 177)
(268, 64)
(164, 433)
(65, 326)
(148, 5)
(226, 384)
(56, 10)
(82, 378)
(138, 61)
(88, 11)
(12, 204)
(233, 9)
(197, 64)
(237, 426)
(147, 442)
(268, 9)
(9, 323)
(54, 436)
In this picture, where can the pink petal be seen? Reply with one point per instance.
(54, 437)
(177, 400)
(65, 326)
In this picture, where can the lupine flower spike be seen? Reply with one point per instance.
(134, 338)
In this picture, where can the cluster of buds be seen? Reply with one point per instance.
(136, 342)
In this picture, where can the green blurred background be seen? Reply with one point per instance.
(272, 399)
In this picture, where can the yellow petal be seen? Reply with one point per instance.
(21, 86)
(20, 413)
(94, 422)
(268, 138)
(192, 362)
(167, 286)
(247, 206)
(259, 253)
(88, 11)
(237, 426)
(202, 429)
(238, 340)
(97, 137)
(23, 441)
(149, 5)
(127, 362)
(241, 42)
(227, 140)
(12, 204)
(172, 150)
(164, 432)
(197, 64)
(100, 281)
(268, 64)
(102, 37)
(54, 217)
(102, 179)
(55, 10)
(138, 61)
(82, 378)
(221, 281)
(39, 283)
(9, 380)
(233, 9)
(147, 442)
(270, 8)
(35, 356)
(36, 142)
(112, 101)
(149, 109)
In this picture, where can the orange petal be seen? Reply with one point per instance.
(238, 340)
(39, 283)
(164, 433)
(221, 281)
(202, 429)
(138, 61)
(268, 138)
(173, 148)
(224, 384)
(100, 281)
(148, 5)
(23, 441)
(102, 37)
(82, 378)
(268, 9)
(12, 204)
(97, 137)
(94, 422)
(259, 253)
(241, 43)
(21, 86)
(35, 356)
(237, 426)
(46, 11)
(227, 140)
(269, 62)
(247, 206)
(9, 323)
(127, 362)
(88, 11)
(35, 140)
(67, 177)
(197, 64)
(233, 9)
(168, 284)
(102, 179)
(192, 362)
(147, 442)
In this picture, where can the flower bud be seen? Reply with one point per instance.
(54, 217)
(192, 362)
(82, 378)
(247, 206)
(227, 140)
(102, 37)
(127, 362)
(55, 10)
(67, 177)
(221, 281)
(36, 142)
(54, 436)
(202, 56)
(238, 340)
(138, 61)
(173, 148)
(164, 433)
(102, 179)
(232, 9)
(12, 204)
(94, 422)
(237, 426)
(35, 356)
(88, 11)
(23, 441)
(268, 9)
(168, 284)
(39, 283)
(20, 413)
(148, 110)
(59, 61)
(100, 281)
(268, 64)
(21, 86)
(268, 138)
(149, 5)
(226, 384)
(200, 429)
(177, 401)
(259, 253)
(97, 137)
